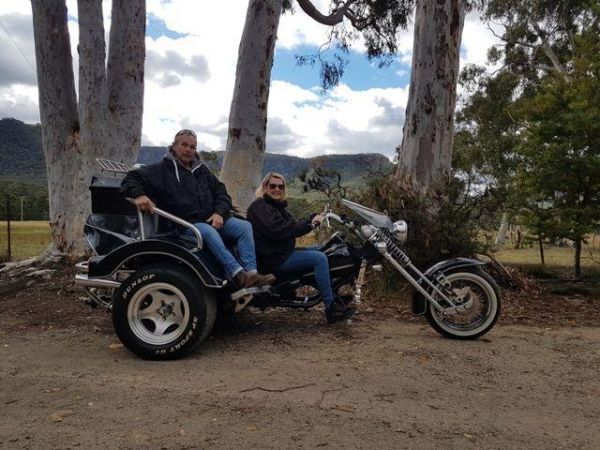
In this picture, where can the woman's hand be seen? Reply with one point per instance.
(316, 221)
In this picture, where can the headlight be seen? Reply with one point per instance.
(400, 231)
(368, 231)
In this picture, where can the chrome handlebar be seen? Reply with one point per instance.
(172, 218)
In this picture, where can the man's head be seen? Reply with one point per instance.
(184, 146)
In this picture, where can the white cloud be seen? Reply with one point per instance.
(189, 79)
(20, 102)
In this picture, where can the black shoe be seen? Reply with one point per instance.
(337, 312)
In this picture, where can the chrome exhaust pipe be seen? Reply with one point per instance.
(83, 280)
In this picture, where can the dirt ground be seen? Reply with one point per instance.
(283, 379)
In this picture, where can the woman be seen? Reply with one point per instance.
(275, 233)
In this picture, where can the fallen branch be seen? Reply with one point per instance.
(259, 388)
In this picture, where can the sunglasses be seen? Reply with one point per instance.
(277, 186)
(185, 132)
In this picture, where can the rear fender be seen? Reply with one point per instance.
(419, 303)
(152, 249)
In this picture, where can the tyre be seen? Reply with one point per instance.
(479, 293)
(163, 312)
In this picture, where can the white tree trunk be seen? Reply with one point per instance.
(110, 104)
(60, 123)
(501, 236)
(125, 72)
(92, 86)
(425, 155)
(245, 150)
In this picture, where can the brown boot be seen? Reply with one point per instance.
(250, 279)
(243, 279)
(264, 279)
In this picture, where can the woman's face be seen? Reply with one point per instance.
(276, 188)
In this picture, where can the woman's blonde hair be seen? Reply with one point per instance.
(265, 182)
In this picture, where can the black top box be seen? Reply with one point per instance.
(107, 198)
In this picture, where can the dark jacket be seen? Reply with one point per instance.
(192, 194)
(275, 232)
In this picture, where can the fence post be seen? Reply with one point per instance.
(8, 226)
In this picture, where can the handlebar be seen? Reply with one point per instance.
(172, 218)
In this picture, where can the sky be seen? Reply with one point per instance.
(191, 55)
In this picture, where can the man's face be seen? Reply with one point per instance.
(185, 149)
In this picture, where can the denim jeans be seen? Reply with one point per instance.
(302, 260)
(234, 231)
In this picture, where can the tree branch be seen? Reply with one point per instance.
(334, 18)
(548, 50)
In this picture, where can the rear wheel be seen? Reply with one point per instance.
(163, 312)
(479, 294)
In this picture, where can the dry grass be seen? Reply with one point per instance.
(554, 256)
(28, 239)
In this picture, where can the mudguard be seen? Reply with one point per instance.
(199, 262)
(419, 303)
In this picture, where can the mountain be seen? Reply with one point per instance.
(359, 165)
(21, 157)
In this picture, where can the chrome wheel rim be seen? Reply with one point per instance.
(475, 291)
(158, 313)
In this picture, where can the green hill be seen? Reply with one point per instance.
(21, 157)
(351, 167)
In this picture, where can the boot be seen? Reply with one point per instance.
(260, 279)
(250, 279)
(337, 311)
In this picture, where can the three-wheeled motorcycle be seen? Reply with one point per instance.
(164, 290)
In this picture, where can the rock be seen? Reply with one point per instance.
(58, 416)
(46, 274)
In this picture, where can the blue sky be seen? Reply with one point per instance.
(359, 74)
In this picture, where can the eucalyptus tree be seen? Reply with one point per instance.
(425, 154)
(105, 122)
(530, 124)
(246, 141)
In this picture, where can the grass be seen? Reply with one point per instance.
(554, 256)
(559, 261)
(28, 239)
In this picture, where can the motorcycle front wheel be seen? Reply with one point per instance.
(479, 294)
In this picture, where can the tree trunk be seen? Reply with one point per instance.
(501, 236)
(425, 155)
(60, 123)
(125, 72)
(92, 86)
(245, 150)
(577, 271)
(110, 104)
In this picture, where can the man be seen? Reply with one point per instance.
(183, 186)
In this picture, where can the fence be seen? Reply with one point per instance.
(6, 255)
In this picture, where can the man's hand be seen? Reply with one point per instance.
(216, 220)
(143, 203)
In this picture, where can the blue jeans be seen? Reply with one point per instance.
(234, 231)
(302, 260)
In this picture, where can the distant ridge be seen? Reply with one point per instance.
(21, 157)
(352, 166)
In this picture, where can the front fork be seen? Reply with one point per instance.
(420, 278)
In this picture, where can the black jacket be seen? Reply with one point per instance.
(275, 232)
(194, 195)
